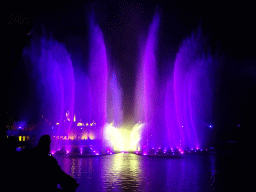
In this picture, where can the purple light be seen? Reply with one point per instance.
(180, 110)
(98, 71)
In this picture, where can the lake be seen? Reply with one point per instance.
(130, 172)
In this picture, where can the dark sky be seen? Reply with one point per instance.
(228, 27)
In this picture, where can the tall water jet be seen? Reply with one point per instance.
(172, 126)
(115, 113)
(98, 76)
(56, 85)
(192, 92)
(146, 86)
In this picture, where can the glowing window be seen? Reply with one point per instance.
(24, 138)
(27, 137)
(20, 138)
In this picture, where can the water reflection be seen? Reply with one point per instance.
(121, 172)
(213, 170)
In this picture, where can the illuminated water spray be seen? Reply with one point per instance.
(97, 98)
(146, 84)
(57, 84)
(192, 94)
(98, 74)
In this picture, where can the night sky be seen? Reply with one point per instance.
(228, 27)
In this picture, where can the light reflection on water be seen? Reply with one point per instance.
(129, 172)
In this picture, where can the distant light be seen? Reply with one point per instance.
(80, 124)
(210, 126)
(182, 126)
(19, 127)
(81, 128)
(238, 125)
(57, 124)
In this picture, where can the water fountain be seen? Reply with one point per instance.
(84, 109)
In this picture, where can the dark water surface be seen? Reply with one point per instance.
(130, 172)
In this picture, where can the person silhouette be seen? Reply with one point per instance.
(45, 172)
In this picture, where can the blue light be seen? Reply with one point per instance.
(210, 126)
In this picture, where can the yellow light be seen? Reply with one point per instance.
(84, 136)
(114, 137)
(57, 124)
(91, 136)
(80, 124)
(87, 124)
(123, 139)
(20, 138)
(135, 136)
(24, 138)
(74, 118)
